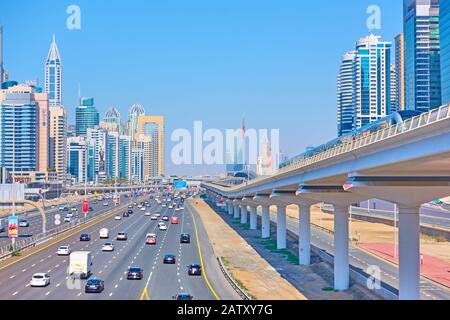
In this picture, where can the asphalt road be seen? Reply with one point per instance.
(160, 281)
(35, 219)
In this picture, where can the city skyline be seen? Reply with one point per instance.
(277, 61)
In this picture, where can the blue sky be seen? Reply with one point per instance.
(210, 60)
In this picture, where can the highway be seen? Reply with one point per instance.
(35, 220)
(360, 260)
(160, 281)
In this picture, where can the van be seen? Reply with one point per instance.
(80, 264)
(104, 233)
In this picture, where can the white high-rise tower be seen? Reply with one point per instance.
(2, 72)
(53, 75)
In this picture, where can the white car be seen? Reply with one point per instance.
(171, 207)
(67, 219)
(40, 280)
(122, 236)
(63, 251)
(163, 205)
(177, 209)
(154, 217)
(69, 214)
(105, 204)
(162, 226)
(117, 217)
(158, 214)
(148, 214)
(73, 209)
(24, 223)
(108, 246)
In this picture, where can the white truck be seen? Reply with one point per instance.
(80, 264)
(104, 233)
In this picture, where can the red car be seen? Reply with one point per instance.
(150, 238)
(175, 220)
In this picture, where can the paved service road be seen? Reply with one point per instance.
(160, 281)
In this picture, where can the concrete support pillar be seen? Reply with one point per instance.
(341, 266)
(409, 253)
(265, 219)
(281, 227)
(253, 218)
(244, 214)
(236, 211)
(230, 207)
(304, 235)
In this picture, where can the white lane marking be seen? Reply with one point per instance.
(110, 294)
(47, 293)
(33, 265)
(12, 277)
(24, 270)
(79, 294)
(116, 286)
(58, 284)
(15, 293)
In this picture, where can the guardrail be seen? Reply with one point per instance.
(22, 244)
(241, 292)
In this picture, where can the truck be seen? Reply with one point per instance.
(80, 264)
(104, 233)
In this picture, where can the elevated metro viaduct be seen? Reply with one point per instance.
(406, 163)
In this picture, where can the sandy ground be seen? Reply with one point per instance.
(266, 283)
(371, 232)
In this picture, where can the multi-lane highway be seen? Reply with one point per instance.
(160, 281)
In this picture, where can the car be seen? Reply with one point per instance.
(183, 296)
(177, 208)
(174, 220)
(143, 209)
(130, 211)
(126, 214)
(148, 214)
(148, 205)
(105, 204)
(158, 214)
(162, 226)
(63, 251)
(108, 246)
(185, 238)
(130, 206)
(67, 219)
(165, 218)
(170, 206)
(154, 217)
(118, 217)
(73, 209)
(40, 280)
(65, 209)
(194, 270)
(61, 208)
(150, 238)
(169, 259)
(134, 273)
(163, 205)
(91, 209)
(69, 214)
(24, 223)
(181, 207)
(94, 285)
(85, 237)
(122, 236)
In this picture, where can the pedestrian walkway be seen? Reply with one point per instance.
(255, 274)
(432, 268)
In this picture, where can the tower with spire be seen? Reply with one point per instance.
(53, 75)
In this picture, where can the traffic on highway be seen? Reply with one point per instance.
(147, 248)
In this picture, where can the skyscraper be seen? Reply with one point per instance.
(53, 75)
(400, 71)
(111, 121)
(444, 27)
(24, 132)
(76, 158)
(58, 140)
(364, 84)
(86, 116)
(395, 106)
(346, 108)
(422, 56)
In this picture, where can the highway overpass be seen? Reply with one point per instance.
(407, 163)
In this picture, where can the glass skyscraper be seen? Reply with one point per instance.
(364, 84)
(422, 56)
(18, 133)
(86, 116)
(444, 27)
(53, 75)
